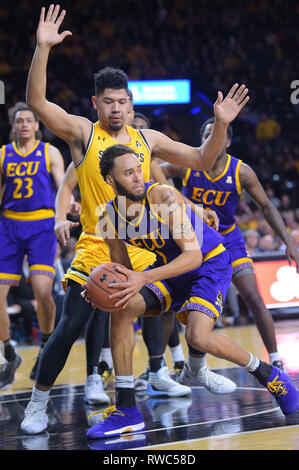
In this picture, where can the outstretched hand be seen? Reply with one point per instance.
(47, 32)
(227, 109)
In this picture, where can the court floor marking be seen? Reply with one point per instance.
(57, 387)
(220, 436)
(184, 425)
(147, 431)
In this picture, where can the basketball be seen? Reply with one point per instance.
(98, 289)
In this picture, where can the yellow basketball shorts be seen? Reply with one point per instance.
(92, 250)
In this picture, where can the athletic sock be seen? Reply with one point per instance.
(177, 353)
(274, 357)
(106, 356)
(124, 391)
(196, 363)
(156, 363)
(259, 369)
(40, 395)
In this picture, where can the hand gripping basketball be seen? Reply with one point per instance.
(98, 289)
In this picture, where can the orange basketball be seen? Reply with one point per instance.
(97, 286)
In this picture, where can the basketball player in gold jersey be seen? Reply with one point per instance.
(87, 141)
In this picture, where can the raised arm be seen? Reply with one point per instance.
(73, 129)
(203, 157)
(251, 184)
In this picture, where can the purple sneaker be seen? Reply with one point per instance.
(280, 386)
(117, 421)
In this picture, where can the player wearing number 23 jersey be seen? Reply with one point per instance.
(27, 220)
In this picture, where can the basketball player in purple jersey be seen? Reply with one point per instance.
(30, 172)
(191, 275)
(220, 189)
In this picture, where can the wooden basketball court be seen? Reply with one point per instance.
(248, 419)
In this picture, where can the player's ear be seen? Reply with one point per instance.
(228, 142)
(94, 101)
(109, 180)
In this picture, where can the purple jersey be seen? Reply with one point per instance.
(29, 186)
(220, 194)
(151, 233)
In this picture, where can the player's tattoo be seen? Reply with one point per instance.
(181, 229)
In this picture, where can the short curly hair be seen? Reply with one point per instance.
(110, 77)
(110, 154)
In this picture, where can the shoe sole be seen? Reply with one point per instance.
(30, 433)
(26, 431)
(117, 432)
(192, 383)
(158, 393)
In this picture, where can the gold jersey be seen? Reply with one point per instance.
(95, 192)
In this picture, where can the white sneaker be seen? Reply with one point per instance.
(36, 419)
(215, 383)
(94, 391)
(140, 383)
(160, 384)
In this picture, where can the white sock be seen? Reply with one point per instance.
(40, 395)
(124, 381)
(274, 357)
(196, 363)
(253, 363)
(107, 356)
(177, 353)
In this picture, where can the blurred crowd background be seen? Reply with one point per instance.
(214, 43)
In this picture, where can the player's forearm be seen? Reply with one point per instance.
(212, 147)
(186, 261)
(62, 202)
(37, 78)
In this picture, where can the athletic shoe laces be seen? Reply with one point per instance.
(107, 412)
(276, 387)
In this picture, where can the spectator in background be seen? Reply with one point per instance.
(251, 240)
(271, 195)
(267, 243)
(285, 206)
(267, 128)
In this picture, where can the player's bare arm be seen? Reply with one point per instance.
(75, 130)
(203, 157)
(56, 165)
(62, 204)
(251, 184)
(171, 171)
(156, 171)
(170, 207)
